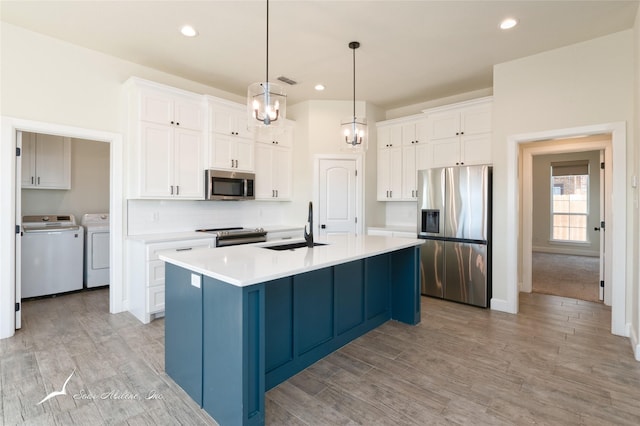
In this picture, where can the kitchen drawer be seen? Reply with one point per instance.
(155, 298)
(153, 249)
(156, 272)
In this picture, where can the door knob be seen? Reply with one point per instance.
(323, 226)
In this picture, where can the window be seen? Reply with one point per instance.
(569, 201)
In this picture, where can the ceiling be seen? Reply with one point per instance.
(411, 51)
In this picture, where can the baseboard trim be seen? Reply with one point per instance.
(502, 305)
(635, 345)
(565, 250)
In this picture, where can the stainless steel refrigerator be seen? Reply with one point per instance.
(454, 217)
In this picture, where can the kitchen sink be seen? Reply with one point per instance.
(291, 246)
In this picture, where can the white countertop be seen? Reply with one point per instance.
(244, 265)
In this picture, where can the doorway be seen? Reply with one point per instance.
(68, 177)
(566, 216)
(517, 243)
(8, 223)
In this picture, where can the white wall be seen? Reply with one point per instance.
(580, 85)
(318, 133)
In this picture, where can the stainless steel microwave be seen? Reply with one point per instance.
(229, 185)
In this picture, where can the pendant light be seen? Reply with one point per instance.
(354, 129)
(266, 102)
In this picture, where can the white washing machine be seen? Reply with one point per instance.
(96, 249)
(51, 260)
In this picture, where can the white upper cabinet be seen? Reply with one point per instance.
(231, 144)
(460, 134)
(402, 150)
(46, 161)
(163, 108)
(274, 164)
(167, 135)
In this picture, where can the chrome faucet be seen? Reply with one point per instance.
(308, 235)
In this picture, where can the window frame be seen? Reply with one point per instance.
(552, 213)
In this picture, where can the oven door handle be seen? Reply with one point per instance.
(241, 240)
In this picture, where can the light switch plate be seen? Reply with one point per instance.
(195, 280)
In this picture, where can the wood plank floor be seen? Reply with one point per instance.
(554, 363)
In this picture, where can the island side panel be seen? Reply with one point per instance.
(405, 286)
(349, 296)
(324, 310)
(278, 323)
(233, 353)
(183, 330)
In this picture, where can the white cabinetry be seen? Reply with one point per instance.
(46, 161)
(402, 150)
(460, 134)
(274, 165)
(166, 142)
(230, 142)
(146, 274)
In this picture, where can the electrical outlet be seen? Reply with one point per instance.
(195, 280)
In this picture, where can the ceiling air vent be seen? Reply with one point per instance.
(287, 80)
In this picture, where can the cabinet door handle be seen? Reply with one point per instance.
(171, 189)
(177, 123)
(177, 189)
(31, 180)
(184, 249)
(276, 193)
(172, 122)
(38, 180)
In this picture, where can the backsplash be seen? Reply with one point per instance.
(166, 216)
(401, 213)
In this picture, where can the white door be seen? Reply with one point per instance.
(337, 198)
(602, 228)
(18, 241)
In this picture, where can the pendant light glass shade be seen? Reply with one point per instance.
(266, 102)
(354, 129)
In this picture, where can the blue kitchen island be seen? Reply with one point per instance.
(240, 320)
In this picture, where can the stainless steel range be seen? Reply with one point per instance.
(236, 235)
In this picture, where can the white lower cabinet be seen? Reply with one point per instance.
(391, 233)
(146, 274)
(283, 235)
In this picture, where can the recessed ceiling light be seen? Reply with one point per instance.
(508, 23)
(188, 31)
(319, 87)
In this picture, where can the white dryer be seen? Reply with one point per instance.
(96, 249)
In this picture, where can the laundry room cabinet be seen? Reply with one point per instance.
(167, 142)
(460, 134)
(231, 144)
(46, 161)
